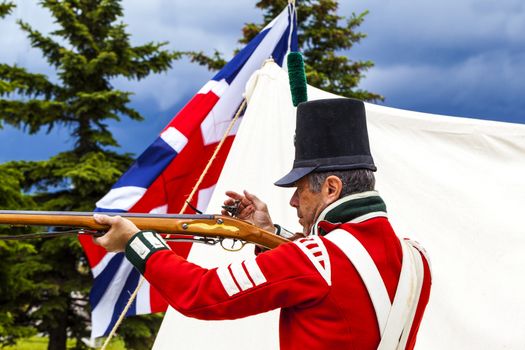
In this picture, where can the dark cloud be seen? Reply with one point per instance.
(189, 25)
(456, 58)
(461, 58)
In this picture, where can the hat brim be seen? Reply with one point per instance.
(293, 176)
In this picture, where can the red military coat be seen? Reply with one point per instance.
(324, 303)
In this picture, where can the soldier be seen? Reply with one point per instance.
(347, 282)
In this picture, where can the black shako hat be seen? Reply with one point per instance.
(330, 135)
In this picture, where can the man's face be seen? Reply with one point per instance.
(307, 203)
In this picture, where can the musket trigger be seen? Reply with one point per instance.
(237, 245)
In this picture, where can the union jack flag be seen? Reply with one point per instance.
(163, 176)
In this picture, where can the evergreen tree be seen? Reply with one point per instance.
(5, 9)
(19, 265)
(17, 268)
(323, 37)
(88, 50)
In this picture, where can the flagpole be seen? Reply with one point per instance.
(184, 207)
(292, 12)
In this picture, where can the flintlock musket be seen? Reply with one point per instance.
(210, 228)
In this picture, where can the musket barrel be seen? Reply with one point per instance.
(89, 213)
(199, 225)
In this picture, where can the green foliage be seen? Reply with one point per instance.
(33, 343)
(140, 332)
(10, 195)
(45, 284)
(324, 39)
(39, 280)
(5, 8)
(69, 181)
(215, 62)
(40, 343)
(97, 50)
(18, 267)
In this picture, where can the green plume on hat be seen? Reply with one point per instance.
(297, 78)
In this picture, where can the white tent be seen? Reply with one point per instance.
(456, 185)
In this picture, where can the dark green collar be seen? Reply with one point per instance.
(353, 207)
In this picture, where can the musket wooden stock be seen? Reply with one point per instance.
(197, 225)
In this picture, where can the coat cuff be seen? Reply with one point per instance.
(281, 231)
(143, 245)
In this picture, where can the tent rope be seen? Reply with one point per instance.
(132, 297)
(184, 207)
(217, 149)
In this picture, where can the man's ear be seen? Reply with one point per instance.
(332, 188)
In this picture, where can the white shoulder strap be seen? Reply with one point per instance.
(406, 300)
(368, 271)
(420, 274)
(394, 319)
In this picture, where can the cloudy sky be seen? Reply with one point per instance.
(461, 58)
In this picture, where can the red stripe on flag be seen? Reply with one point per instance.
(190, 117)
(94, 253)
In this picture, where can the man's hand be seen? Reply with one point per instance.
(119, 234)
(251, 209)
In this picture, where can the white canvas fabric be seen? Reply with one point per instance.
(455, 185)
